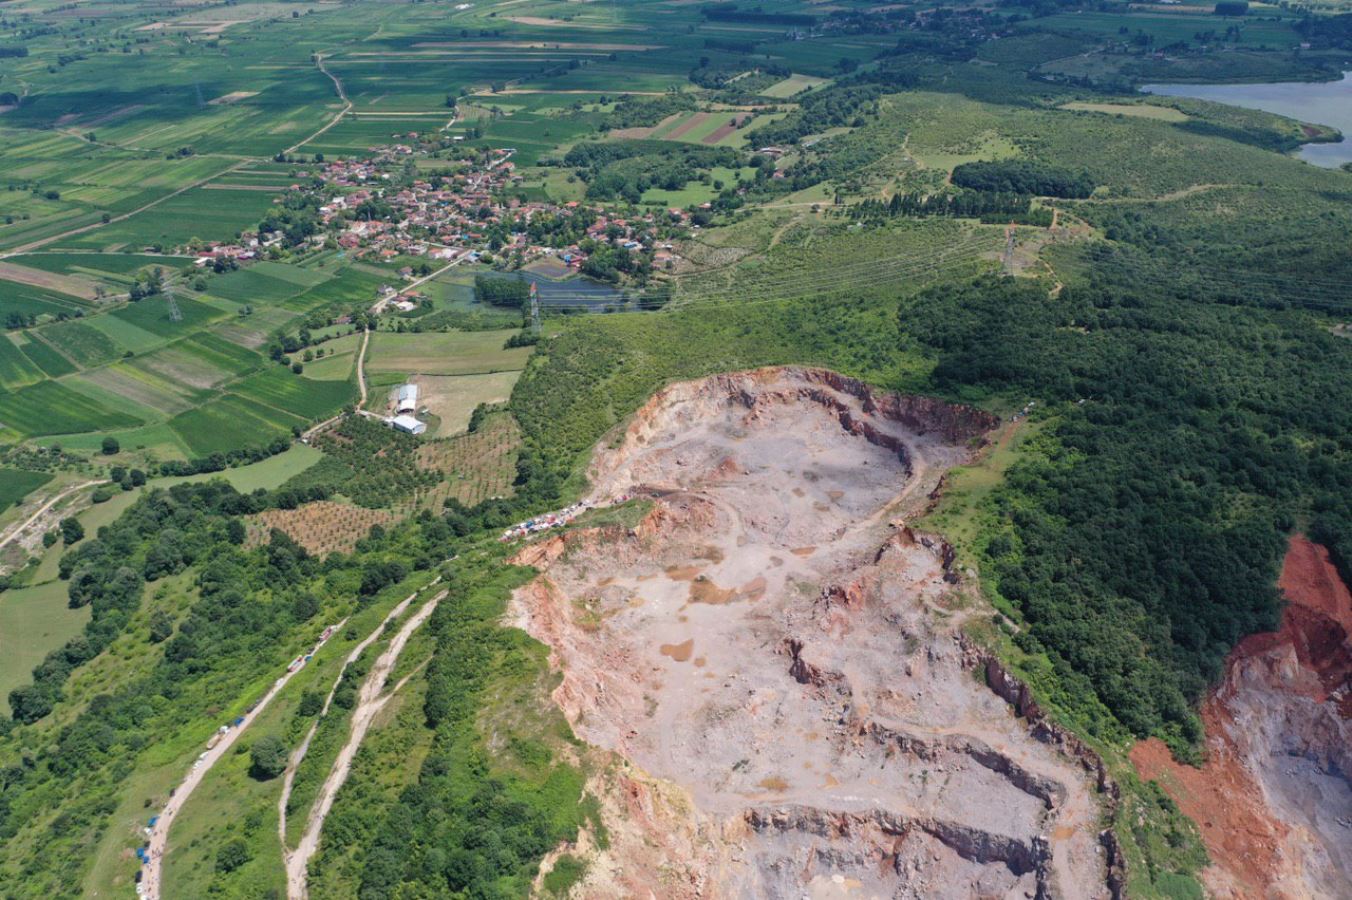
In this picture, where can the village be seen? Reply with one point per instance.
(381, 209)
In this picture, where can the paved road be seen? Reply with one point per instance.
(370, 700)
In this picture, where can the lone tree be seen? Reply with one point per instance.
(71, 530)
(268, 758)
(110, 446)
(232, 855)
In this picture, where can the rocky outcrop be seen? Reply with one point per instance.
(1021, 857)
(956, 423)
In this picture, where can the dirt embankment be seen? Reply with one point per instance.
(1274, 799)
(776, 661)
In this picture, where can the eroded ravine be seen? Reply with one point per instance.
(778, 660)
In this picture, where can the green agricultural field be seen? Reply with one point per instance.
(300, 396)
(1140, 110)
(337, 364)
(49, 408)
(197, 213)
(794, 85)
(98, 264)
(266, 474)
(154, 315)
(1165, 28)
(231, 423)
(265, 282)
(157, 440)
(124, 336)
(35, 301)
(33, 621)
(15, 484)
(43, 355)
(446, 353)
(83, 342)
(16, 368)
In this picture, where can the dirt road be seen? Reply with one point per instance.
(338, 117)
(361, 383)
(151, 878)
(370, 700)
(23, 526)
(299, 755)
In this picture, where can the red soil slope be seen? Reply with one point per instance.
(1285, 695)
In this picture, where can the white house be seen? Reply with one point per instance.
(408, 399)
(408, 424)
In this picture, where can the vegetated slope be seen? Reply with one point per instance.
(783, 666)
(1140, 539)
(243, 608)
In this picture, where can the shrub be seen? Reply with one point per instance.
(232, 855)
(71, 530)
(267, 758)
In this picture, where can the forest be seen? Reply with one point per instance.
(1141, 541)
(1023, 177)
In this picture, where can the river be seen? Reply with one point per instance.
(1321, 103)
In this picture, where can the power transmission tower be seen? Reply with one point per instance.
(534, 309)
(1009, 249)
(174, 314)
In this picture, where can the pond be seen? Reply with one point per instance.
(1320, 103)
(576, 292)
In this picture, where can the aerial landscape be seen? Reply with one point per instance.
(675, 449)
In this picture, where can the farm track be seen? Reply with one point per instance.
(298, 756)
(371, 699)
(23, 526)
(152, 877)
(342, 95)
(361, 384)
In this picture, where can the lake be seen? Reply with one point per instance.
(1320, 103)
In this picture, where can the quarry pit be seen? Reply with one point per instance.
(776, 659)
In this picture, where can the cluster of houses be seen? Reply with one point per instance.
(447, 217)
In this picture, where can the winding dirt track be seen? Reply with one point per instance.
(361, 383)
(152, 877)
(370, 700)
(298, 756)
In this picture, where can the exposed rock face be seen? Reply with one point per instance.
(1274, 799)
(782, 670)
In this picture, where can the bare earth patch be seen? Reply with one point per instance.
(723, 131)
(71, 285)
(688, 126)
(1274, 799)
(232, 97)
(776, 660)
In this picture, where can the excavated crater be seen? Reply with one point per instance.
(776, 658)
